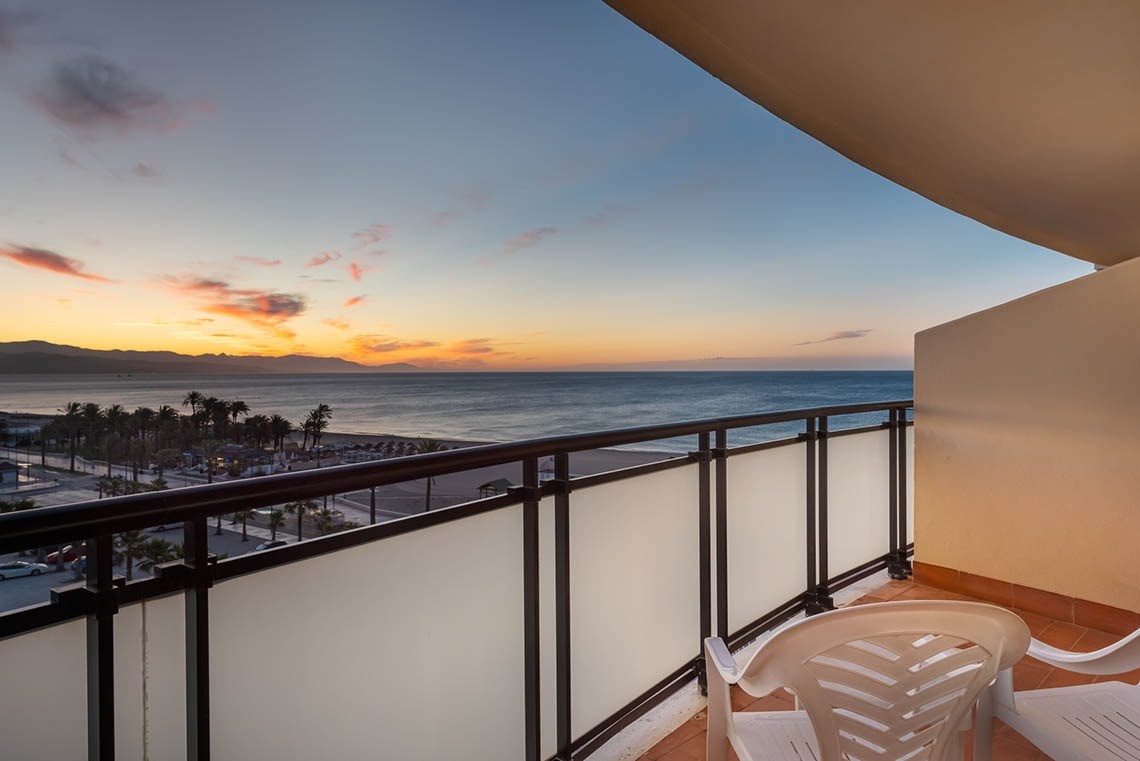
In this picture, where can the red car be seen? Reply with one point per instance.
(70, 552)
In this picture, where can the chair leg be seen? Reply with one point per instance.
(984, 725)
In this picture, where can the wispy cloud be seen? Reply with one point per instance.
(355, 300)
(607, 215)
(841, 335)
(357, 270)
(380, 344)
(323, 258)
(92, 94)
(43, 259)
(259, 261)
(146, 171)
(529, 239)
(336, 322)
(267, 310)
(371, 234)
(470, 202)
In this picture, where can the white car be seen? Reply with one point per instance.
(16, 568)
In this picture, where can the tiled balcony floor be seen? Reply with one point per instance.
(687, 743)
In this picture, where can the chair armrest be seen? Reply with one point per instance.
(1117, 658)
(722, 660)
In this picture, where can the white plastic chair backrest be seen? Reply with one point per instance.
(890, 680)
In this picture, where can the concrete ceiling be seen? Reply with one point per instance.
(1022, 114)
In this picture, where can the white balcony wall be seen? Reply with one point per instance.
(1028, 443)
(150, 680)
(635, 588)
(767, 532)
(858, 499)
(43, 703)
(408, 648)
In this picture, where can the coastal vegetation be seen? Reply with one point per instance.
(161, 438)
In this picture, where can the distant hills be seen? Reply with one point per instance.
(27, 357)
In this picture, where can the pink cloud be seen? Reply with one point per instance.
(43, 259)
(529, 239)
(259, 261)
(371, 234)
(355, 300)
(336, 322)
(356, 270)
(323, 258)
(261, 308)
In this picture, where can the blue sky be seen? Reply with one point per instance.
(458, 185)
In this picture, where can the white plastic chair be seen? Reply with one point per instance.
(889, 681)
(1094, 721)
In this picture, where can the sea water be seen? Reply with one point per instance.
(488, 407)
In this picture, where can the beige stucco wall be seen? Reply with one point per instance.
(1027, 449)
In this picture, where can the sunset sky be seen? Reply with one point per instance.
(477, 185)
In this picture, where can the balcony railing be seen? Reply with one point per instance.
(531, 625)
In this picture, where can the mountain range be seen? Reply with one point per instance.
(27, 357)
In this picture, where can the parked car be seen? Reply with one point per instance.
(70, 553)
(269, 545)
(16, 568)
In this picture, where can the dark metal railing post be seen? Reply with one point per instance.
(562, 602)
(720, 454)
(903, 560)
(531, 592)
(197, 563)
(812, 546)
(895, 570)
(822, 592)
(101, 651)
(372, 506)
(704, 539)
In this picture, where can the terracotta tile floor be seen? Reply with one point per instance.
(687, 743)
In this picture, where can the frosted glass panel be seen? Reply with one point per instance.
(43, 702)
(546, 661)
(767, 532)
(406, 648)
(150, 640)
(858, 499)
(635, 588)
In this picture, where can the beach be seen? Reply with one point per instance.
(408, 498)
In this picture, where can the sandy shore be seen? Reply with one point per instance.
(409, 498)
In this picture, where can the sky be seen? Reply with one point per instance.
(457, 185)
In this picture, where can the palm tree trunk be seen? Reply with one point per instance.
(244, 535)
(218, 529)
(427, 496)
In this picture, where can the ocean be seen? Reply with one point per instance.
(488, 407)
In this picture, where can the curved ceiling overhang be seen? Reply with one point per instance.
(1022, 114)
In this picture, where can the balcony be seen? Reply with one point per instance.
(536, 624)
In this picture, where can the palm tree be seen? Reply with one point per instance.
(423, 446)
(128, 546)
(155, 551)
(159, 484)
(300, 507)
(279, 428)
(244, 516)
(257, 427)
(165, 420)
(117, 419)
(237, 407)
(315, 425)
(192, 400)
(276, 521)
(72, 417)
